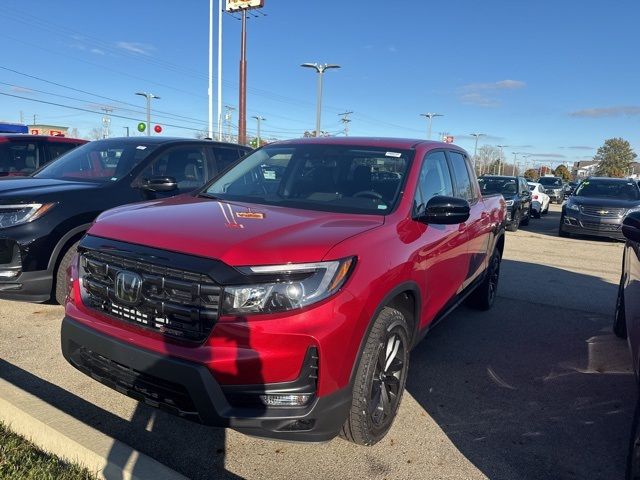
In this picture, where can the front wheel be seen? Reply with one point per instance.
(380, 379)
(60, 289)
(561, 232)
(515, 222)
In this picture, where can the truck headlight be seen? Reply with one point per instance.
(12, 215)
(296, 285)
(573, 206)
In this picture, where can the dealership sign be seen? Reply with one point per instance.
(236, 5)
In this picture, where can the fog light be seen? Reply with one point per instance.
(285, 400)
(9, 273)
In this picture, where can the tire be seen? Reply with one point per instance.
(536, 214)
(484, 296)
(525, 221)
(633, 455)
(60, 290)
(620, 320)
(561, 232)
(387, 346)
(515, 223)
(546, 210)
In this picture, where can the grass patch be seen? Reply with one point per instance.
(20, 459)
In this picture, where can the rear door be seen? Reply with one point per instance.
(478, 226)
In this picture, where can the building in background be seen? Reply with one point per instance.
(583, 169)
(53, 130)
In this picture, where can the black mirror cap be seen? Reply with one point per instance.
(160, 184)
(631, 227)
(442, 210)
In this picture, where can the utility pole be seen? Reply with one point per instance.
(345, 121)
(430, 117)
(126, 130)
(502, 159)
(227, 118)
(34, 119)
(320, 69)
(242, 104)
(475, 149)
(21, 116)
(259, 119)
(148, 96)
(106, 122)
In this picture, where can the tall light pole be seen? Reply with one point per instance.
(526, 158)
(320, 69)
(210, 86)
(148, 96)
(259, 119)
(220, 70)
(430, 117)
(475, 149)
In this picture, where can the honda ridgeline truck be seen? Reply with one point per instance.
(282, 300)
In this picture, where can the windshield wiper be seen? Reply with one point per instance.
(208, 195)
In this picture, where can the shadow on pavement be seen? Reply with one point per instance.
(193, 450)
(529, 391)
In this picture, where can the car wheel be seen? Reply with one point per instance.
(633, 456)
(60, 291)
(515, 222)
(484, 295)
(620, 321)
(546, 210)
(561, 232)
(380, 379)
(525, 221)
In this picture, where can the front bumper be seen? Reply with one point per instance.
(579, 224)
(189, 390)
(20, 278)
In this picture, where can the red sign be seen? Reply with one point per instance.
(35, 131)
(448, 139)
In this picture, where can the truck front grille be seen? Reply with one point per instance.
(603, 212)
(175, 303)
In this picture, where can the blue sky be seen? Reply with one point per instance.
(552, 78)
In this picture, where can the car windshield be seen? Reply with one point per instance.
(620, 189)
(532, 187)
(550, 181)
(505, 186)
(99, 161)
(331, 178)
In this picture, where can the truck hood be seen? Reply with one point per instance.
(17, 189)
(236, 233)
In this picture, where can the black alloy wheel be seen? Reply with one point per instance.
(385, 387)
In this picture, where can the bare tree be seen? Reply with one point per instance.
(95, 134)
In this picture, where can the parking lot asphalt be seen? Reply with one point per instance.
(536, 388)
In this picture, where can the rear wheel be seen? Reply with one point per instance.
(546, 210)
(525, 221)
(620, 321)
(380, 379)
(484, 295)
(60, 289)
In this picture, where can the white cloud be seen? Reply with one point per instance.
(135, 47)
(620, 111)
(97, 51)
(483, 94)
(499, 85)
(478, 99)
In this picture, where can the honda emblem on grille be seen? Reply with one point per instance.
(128, 287)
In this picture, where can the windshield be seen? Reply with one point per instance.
(550, 181)
(618, 189)
(505, 186)
(332, 178)
(532, 187)
(99, 161)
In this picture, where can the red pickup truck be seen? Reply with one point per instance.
(283, 299)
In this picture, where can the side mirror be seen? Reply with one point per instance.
(160, 184)
(441, 210)
(631, 227)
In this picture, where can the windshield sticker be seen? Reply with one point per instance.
(393, 154)
(114, 179)
(269, 174)
(382, 207)
(251, 215)
(141, 147)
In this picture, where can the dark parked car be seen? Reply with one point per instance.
(627, 324)
(517, 194)
(554, 187)
(42, 217)
(21, 155)
(598, 207)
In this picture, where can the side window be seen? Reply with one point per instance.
(19, 158)
(225, 156)
(57, 149)
(434, 179)
(462, 179)
(186, 163)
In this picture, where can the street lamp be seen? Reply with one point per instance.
(259, 119)
(148, 96)
(430, 117)
(319, 68)
(501, 147)
(475, 150)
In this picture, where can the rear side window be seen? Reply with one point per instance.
(19, 158)
(57, 149)
(186, 164)
(434, 179)
(461, 178)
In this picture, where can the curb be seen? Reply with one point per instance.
(65, 436)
